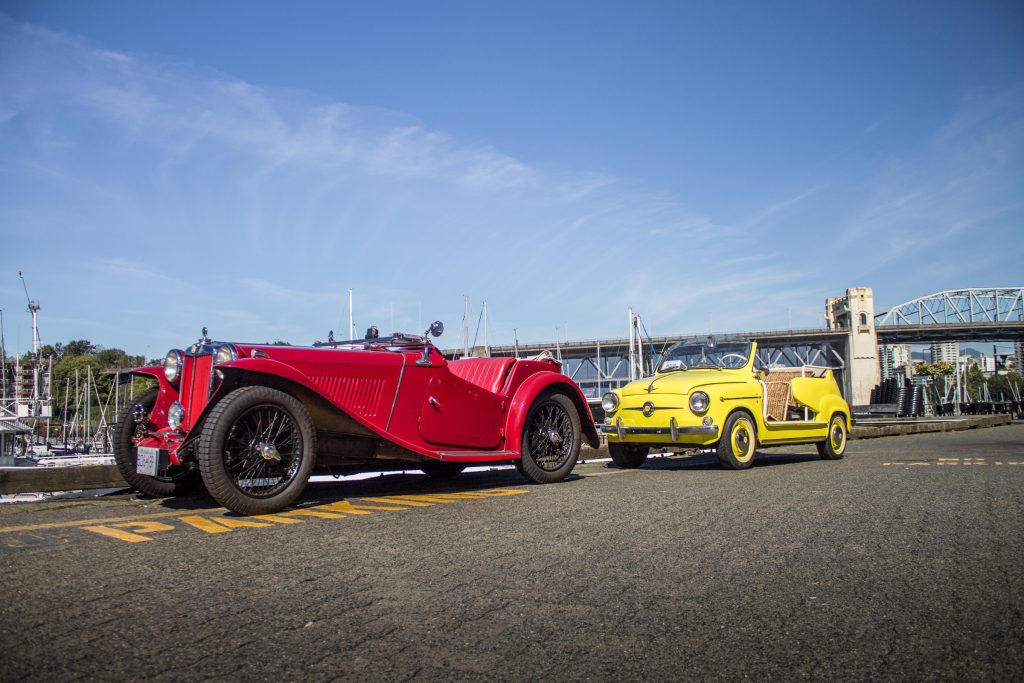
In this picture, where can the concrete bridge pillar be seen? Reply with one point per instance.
(855, 313)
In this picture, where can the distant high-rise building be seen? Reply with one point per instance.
(945, 352)
(1018, 354)
(892, 357)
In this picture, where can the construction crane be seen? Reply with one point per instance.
(38, 404)
(33, 309)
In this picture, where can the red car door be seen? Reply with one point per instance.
(458, 413)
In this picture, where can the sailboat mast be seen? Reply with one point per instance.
(465, 326)
(64, 428)
(351, 322)
(3, 363)
(487, 348)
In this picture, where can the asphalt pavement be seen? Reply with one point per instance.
(902, 561)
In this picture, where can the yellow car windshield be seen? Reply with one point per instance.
(728, 355)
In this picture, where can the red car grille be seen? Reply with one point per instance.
(195, 387)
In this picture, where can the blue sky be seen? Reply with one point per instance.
(718, 166)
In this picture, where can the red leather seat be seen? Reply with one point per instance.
(487, 373)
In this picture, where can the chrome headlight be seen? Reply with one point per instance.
(225, 353)
(175, 415)
(173, 364)
(609, 402)
(699, 402)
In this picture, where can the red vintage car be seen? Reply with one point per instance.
(254, 421)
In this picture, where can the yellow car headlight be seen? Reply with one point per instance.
(610, 402)
(699, 402)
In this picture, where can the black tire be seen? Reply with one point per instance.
(550, 440)
(834, 445)
(738, 444)
(257, 450)
(628, 457)
(442, 471)
(175, 481)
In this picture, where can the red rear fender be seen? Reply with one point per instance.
(546, 383)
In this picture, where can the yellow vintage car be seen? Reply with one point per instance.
(717, 394)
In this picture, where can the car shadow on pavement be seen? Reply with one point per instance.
(404, 483)
(709, 461)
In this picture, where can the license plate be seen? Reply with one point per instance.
(148, 462)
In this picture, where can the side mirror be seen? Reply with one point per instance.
(436, 329)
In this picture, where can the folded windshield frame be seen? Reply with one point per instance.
(723, 355)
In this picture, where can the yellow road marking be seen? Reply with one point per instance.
(118, 530)
(345, 506)
(220, 525)
(131, 529)
(279, 519)
(426, 498)
(488, 493)
(310, 512)
(103, 520)
(963, 462)
(392, 499)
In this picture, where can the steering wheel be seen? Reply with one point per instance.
(741, 360)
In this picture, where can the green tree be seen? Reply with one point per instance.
(54, 351)
(112, 359)
(974, 381)
(70, 374)
(940, 369)
(1002, 387)
(80, 347)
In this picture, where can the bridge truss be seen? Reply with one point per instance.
(958, 306)
(600, 365)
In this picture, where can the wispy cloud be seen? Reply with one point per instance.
(966, 166)
(173, 197)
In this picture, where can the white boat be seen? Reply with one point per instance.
(76, 460)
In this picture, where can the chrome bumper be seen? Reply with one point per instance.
(672, 430)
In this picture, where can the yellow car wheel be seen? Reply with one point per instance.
(738, 444)
(628, 457)
(834, 445)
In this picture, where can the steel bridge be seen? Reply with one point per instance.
(954, 315)
(603, 364)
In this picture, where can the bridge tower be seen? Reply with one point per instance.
(855, 313)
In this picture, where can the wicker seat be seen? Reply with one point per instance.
(778, 398)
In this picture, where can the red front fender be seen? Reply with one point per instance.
(274, 368)
(167, 395)
(528, 392)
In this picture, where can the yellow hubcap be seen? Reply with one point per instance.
(742, 445)
(838, 436)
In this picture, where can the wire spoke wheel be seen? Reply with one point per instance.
(263, 450)
(550, 440)
(551, 435)
(257, 450)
